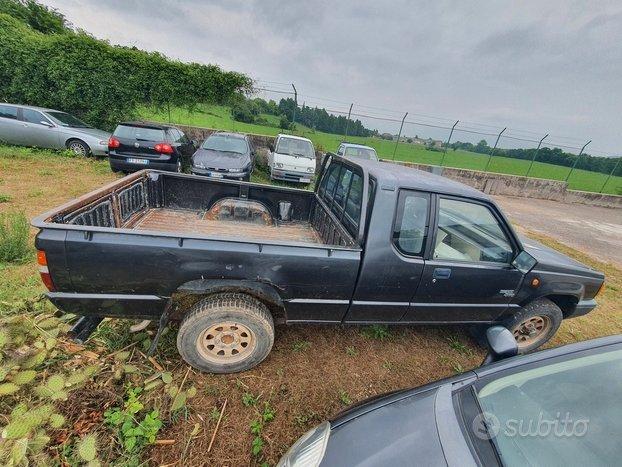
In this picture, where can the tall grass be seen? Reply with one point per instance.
(14, 244)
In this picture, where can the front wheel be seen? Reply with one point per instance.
(79, 148)
(226, 333)
(535, 324)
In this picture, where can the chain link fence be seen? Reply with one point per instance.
(428, 139)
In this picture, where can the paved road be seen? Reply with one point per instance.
(593, 230)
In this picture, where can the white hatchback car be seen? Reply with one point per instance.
(292, 159)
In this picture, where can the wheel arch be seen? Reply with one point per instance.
(75, 138)
(191, 292)
(565, 301)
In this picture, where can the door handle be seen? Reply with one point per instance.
(441, 273)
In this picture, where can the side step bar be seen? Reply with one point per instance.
(84, 327)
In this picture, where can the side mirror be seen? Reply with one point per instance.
(524, 262)
(46, 123)
(194, 142)
(501, 344)
(271, 147)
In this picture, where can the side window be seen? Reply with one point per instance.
(343, 185)
(32, 116)
(8, 111)
(331, 181)
(469, 231)
(353, 205)
(411, 223)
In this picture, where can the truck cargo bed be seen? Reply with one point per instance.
(193, 221)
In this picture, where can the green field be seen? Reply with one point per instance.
(212, 116)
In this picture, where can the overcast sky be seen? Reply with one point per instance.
(546, 66)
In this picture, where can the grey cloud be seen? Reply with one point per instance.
(551, 66)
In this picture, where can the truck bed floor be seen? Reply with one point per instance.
(188, 221)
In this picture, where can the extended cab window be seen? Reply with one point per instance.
(342, 190)
(470, 232)
(411, 222)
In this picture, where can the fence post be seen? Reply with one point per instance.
(295, 103)
(612, 172)
(447, 143)
(399, 135)
(533, 159)
(348, 121)
(576, 160)
(493, 149)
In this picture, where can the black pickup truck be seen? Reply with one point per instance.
(375, 243)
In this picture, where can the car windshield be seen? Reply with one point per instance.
(365, 153)
(564, 413)
(139, 133)
(64, 119)
(226, 143)
(295, 147)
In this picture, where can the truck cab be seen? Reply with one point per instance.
(292, 158)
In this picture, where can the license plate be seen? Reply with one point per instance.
(305, 180)
(138, 161)
(216, 175)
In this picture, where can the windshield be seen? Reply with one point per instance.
(226, 144)
(564, 413)
(295, 147)
(365, 153)
(64, 119)
(139, 133)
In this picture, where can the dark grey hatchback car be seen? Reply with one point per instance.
(554, 407)
(225, 155)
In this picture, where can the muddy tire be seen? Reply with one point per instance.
(226, 333)
(534, 324)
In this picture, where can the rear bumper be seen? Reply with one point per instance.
(290, 176)
(109, 305)
(582, 308)
(121, 163)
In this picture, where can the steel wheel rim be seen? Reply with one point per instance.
(227, 342)
(77, 148)
(531, 330)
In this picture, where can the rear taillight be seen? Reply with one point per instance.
(44, 271)
(164, 148)
(113, 143)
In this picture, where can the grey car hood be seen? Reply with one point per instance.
(210, 158)
(94, 132)
(552, 260)
(399, 433)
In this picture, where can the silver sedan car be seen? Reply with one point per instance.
(46, 128)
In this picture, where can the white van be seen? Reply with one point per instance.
(292, 159)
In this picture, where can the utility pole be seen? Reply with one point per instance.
(399, 135)
(348, 121)
(533, 159)
(295, 104)
(493, 149)
(447, 143)
(577, 160)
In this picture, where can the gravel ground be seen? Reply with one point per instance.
(593, 230)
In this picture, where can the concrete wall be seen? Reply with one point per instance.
(513, 185)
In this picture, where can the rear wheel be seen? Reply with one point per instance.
(535, 324)
(226, 333)
(79, 148)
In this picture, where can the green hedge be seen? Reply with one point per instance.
(100, 83)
